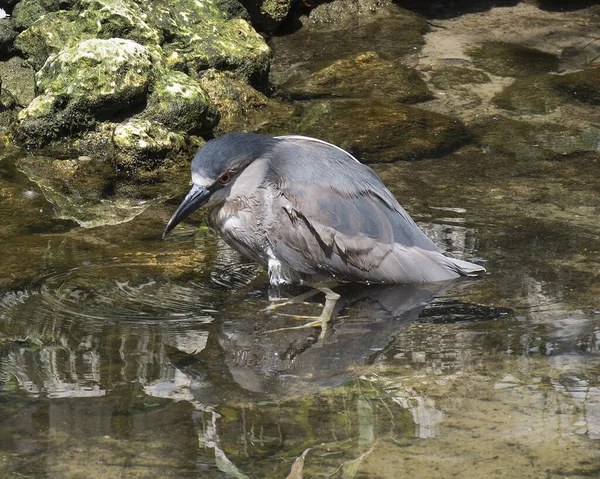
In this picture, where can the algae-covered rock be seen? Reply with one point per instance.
(49, 35)
(7, 37)
(363, 76)
(93, 80)
(241, 107)
(381, 132)
(343, 14)
(267, 15)
(180, 103)
(203, 38)
(583, 86)
(531, 95)
(453, 76)
(27, 12)
(534, 141)
(142, 143)
(512, 60)
(193, 35)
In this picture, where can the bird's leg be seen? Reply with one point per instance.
(322, 320)
(300, 299)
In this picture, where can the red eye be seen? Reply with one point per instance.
(225, 178)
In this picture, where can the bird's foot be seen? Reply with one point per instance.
(321, 321)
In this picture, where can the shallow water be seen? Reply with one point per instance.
(122, 355)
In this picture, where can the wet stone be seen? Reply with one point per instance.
(451, 76)
(381, 132)
(241, 107)
(512, 60)
(531, 95)
(364, 76)
(534, 141)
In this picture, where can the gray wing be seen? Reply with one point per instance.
(334, 215)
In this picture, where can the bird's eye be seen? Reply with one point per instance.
(225, 178)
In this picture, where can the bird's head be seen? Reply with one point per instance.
(216, 167)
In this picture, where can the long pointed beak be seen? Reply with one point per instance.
(196, 198)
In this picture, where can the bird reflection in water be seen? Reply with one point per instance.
(253, 358)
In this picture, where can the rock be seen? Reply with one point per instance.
(453, 76)
(532, 95)
(396, 36)
(27, 12)
(512, 60)
(49, 35)
(93, 80)
(192, 35)
(363, 76)
(344, 14)
(581, 86)
(379, 131)
(241, 107)
(144, 144)
(7, 37)
(528, 141)
(202, 37)
(180, 103)
(267, 15)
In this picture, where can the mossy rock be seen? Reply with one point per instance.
(363, 76)
(197, 37)
(27, 12)
(533, 95)
(512, 60)
(241, 107)
(583, 86)
(343, 14)
(453, 76)
(93, 80)
(180, 103)
(381, 132)
(144, 144)
(528, 141)
(7, 37)
(267, 15)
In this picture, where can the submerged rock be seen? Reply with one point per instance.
(531, 95)
(512, 60)
(453, 76)
(363, 76)
(534, 141)
(381, 132)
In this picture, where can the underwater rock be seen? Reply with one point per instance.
(532, 95)
(581, 86)
(241, 107)
(363, 76)
(512, 60)
(534, 141)
(453, 76)
(381, 132)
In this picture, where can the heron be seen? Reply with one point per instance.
(310, 212)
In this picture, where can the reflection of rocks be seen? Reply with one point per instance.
(82, 190)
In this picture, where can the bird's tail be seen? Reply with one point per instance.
(464, 268)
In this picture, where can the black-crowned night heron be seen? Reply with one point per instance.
(309, 211)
